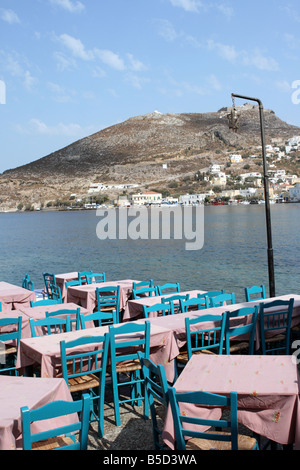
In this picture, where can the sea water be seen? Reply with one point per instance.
(233, 256)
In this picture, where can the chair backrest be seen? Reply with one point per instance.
(205, 333)
(248, 328)
(74, 315)
(91, 360)
(56, 409)
(56, 293)
(49, 280)
(185, 425)
(138, 285)
(214, 293)
(50, 325)
(157, 390)
(275, 319)
(99, 318)
(168, 288)
(195, 303)
(250, 291)
(159, 309)
(74, 282)
(219, 300)
(144, 292)
(0, 306)
(108, 301)
(37, 303)
(14, 336)
(126, 340)
(175, 300)
(83, 277)
(95, 277)
(27, 283)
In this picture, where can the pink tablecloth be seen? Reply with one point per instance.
(46, 350)
(267, 388)
(13, 297)
(134, 308)
(61, 279)
(86, 295)
(16, 392)
(39, 312)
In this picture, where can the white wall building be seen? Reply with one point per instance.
(214, 168)
(295, 192)
(235, 158)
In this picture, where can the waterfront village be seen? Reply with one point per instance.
(220, 186)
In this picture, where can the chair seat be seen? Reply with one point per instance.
(53, 443)
(275, 339)
(8, 350)
(84, 382)
(183, 356)
(244, 443)
(239, 347)
(128, 366)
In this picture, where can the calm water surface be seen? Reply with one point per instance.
(234, 254)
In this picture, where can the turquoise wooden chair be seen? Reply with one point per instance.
(10, 344)
(49, 281)
(254, 290)
(83, 277)
(98, 318)
(84, 370)
(125, 342)
(160, 310)
(64, 437)
(188, 434)
(0, 306)
(201, 338)
(108, 303)
(275, 326)
(50, 325)
(169, 287)
(214, 293)
(137, 285)
(27, 283)
(175, 301)
(232, 331)
(219, 300)
(157, 391)
(74, 315)
(95, 277)
(195, 303)
(72, 283)
(38, 303)
(144, 292)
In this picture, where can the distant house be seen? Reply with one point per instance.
(235, 158)
(295, 192)
(148, 197)
(214, 168)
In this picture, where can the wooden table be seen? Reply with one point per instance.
(45, 350)
(13, 297)
(134, 308)
(267, 388)
(86, 295)
(33, 392)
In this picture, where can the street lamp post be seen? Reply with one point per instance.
(233, 124)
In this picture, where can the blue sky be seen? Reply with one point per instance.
(69, 68)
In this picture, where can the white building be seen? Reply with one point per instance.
(214, 168)
(295, 192)
(193, 199)
(235, 158)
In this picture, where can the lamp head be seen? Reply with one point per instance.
(233, 119)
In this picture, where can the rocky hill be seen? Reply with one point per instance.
(153, 150)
